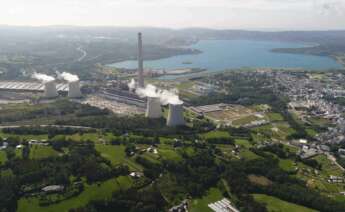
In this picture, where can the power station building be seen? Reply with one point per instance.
(175, 115)
(50, 90)
(74, 89)
(153, 110)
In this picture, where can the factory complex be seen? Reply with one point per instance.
(29, 86)
(139, 98)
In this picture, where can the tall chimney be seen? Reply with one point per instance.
(140, 62)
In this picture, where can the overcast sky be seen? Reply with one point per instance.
(239, 14)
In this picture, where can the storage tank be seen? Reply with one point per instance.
(153, 109)
(50, 89)
(74, 90)
(175, 115)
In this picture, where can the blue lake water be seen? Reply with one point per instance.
(218, 55)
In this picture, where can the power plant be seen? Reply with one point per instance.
(140, 62)
(175, 115)
(153, 109)
(74, 89)
(50, 90)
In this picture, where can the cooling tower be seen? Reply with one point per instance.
(50, 89)
(153, 109)
(175, 116)
(140, 62)
(74, 90)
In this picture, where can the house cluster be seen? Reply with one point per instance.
(312, 97)
(183, 207)
(335, 179)
(223, 205)
(4, 146)
(308, 150)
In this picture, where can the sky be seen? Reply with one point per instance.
(219, 14)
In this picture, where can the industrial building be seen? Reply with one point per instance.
(74, 89)
(123, 97)
(175, 115)
(50, 89)
(19, 86)
(209, 108)
(153, 109)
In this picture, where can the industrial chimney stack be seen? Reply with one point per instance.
(153, 110)
(50, 89)
(175, 116)
(140, 62)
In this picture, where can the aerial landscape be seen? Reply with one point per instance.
(155, 106)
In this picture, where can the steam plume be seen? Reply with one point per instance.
(69, 77)
(132, 84)
(42, 77)
(165, 96)
(170, 97)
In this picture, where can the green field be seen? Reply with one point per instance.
(116, 154)
(3, 157)
(277, 205)
(245, 120)
(279, 131)
(248, 155)
(243, 143)
(201, 205)
(91, 192)
(39, 152)
(25, 137)
(287, 165)
(168, 153)
(216, 134)
(275, 117)
(327, 167)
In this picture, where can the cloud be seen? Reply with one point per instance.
(177, 13)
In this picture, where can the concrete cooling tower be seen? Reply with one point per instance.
(153, 109)
(175, 116)
(50, 89)
(74, 90)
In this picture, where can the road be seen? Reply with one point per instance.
(334, 160)
(57, 126)
(84, 53)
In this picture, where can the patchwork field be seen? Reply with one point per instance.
(91, 192)
(277, 205)
(230, 113)
(201, 205)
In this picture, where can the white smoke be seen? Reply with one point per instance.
(42, 77)
(132, 85)
(148, 91)
(68, 77)
(165, 96)
(170, 97)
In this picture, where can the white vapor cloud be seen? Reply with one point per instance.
(42, 77)
(165, 96)
(68, 77)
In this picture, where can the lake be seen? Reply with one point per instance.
(218, 55)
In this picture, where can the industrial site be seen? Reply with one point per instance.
(108, 139)
(125, 97)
